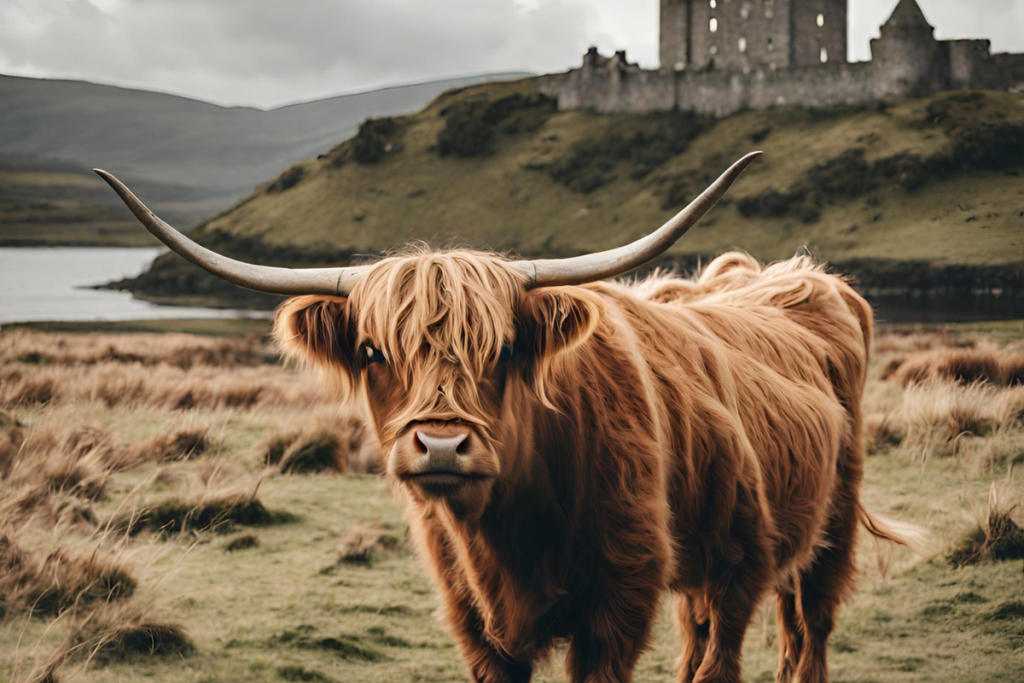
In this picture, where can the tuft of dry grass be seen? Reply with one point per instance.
(121, 633)
(881, 432)
(960, 365)
(184, 351)
(321, 445)
(936, 417)
(176, 515)
(999, 538)
(162, 386)
(31, 583)
(181, 443)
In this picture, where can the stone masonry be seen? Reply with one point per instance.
(721, 56)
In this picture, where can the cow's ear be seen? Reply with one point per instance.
(316, 329)
(555, 321)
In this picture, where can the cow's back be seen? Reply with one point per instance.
(762, 372)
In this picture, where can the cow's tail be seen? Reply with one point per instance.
(913, 537)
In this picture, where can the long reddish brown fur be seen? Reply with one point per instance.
(700, 437)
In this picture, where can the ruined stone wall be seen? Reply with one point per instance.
(814, 44)
(675, 33)
(721, 94)
(1011, 70)
(612, 89)
(971, 65)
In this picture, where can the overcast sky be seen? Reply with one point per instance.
(270, 52)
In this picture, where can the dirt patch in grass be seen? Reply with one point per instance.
(298, 673)
(243, 542)
(368, 543)
(347, 647)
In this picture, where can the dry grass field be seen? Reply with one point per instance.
(183, 508)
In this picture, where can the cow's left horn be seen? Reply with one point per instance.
(590, 267)
(288, 281)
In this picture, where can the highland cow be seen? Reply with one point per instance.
(571, 450)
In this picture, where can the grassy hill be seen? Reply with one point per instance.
(934, 182)
(196, 158)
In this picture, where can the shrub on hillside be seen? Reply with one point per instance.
(641, 144)
(472, 126)
(376, 137)
(287, 180)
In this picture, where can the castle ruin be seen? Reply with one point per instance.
(721, 56)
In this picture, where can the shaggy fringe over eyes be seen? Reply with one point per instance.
(443, 316)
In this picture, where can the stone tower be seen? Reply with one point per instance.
(907, 55)
(741, 35)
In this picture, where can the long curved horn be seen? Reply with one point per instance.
(590, 267)
(288, 281)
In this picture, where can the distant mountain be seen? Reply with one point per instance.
(197, 157)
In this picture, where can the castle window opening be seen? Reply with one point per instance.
(771, 44)
(824, 54)
(821, 20)
(714, 25)
(714, 49)
(714, 4)
(745, 12)
(743, 44)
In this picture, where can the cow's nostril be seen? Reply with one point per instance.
(463, 446)
(418, 444)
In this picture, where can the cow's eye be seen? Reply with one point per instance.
(372, 354)
(505, 355)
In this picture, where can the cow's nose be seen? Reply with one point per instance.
(441, 451)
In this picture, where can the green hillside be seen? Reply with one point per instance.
(55, 203)
(934, 181)
(195, 158)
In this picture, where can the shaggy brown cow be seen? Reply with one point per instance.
(569, 453)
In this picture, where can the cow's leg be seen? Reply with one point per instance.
(731, 612)
(458, 614)
(737, 589)
(790, 634)
(823, 588)
(611, 636)
(694, 627)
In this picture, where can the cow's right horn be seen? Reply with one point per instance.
(591, 267)
(288, 281)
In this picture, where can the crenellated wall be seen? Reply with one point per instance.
(903, 66)
(715, 93)
(721, 56)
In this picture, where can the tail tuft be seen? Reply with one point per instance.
(913, 537)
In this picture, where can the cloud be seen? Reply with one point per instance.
(267, 52)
